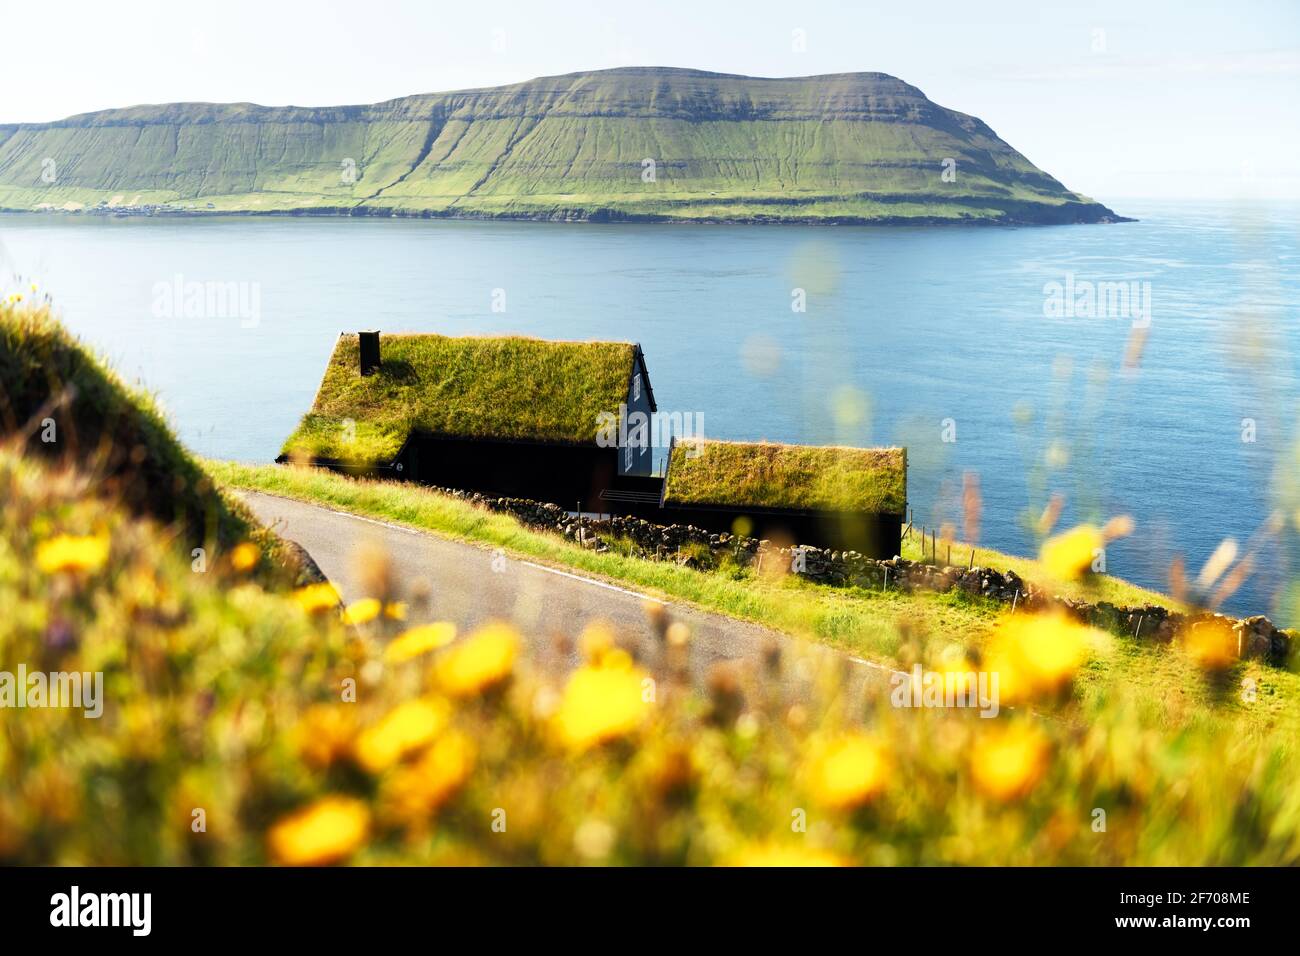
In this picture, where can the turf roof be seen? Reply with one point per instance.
(506, 387)
(790, 477)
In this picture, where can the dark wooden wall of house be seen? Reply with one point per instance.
(562, 474)
(567, 474)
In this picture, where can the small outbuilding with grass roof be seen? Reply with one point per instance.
(829, 496)
(503, 415)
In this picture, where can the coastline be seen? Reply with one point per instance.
(599, 216)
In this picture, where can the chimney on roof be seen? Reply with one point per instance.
(369, 352)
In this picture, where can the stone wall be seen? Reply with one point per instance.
(1255, 637)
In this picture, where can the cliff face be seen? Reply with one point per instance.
(639, 143)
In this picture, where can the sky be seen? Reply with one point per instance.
(1166, 100)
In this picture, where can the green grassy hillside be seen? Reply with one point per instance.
(856, 147)
(60, 403)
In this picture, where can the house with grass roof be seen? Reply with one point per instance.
(503, 415)
(827, 496)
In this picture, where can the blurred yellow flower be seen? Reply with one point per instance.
(362, 611)
(1036, 654)
(600, 703)
(245, 557)
(71, 553)
(845, 773)
(483, 660)
(315, 598)
(419, 640)
(1007, 761)
(1211, 643)
(417, 790)
(783, 855)
(1070, 555)
(325, 733)
(965, 678)
(329, 830)
(616, 657)
(395, 610)
(407, 728)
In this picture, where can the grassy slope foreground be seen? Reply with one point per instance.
(854, 147)
(63, 404)
(242, 726)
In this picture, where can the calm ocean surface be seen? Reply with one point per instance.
(910, 335)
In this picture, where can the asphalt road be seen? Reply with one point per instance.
(470, 584)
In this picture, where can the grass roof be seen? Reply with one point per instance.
(793, 477)
(507, 387)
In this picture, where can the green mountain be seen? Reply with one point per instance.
(636, 143)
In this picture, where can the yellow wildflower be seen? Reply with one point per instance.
(1006, 762)
(329, 830)
(483, 660)
(71, 553)
(419, 640)
(1036, 654)
(325, 733)
(417, 790)
(1212, 643)
(367, 609)
(407, 728)
(600, 703)
(848, 772)
(245, 557)
(362, 611)
(315, 598)
(1070, 555)
(783, 856)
